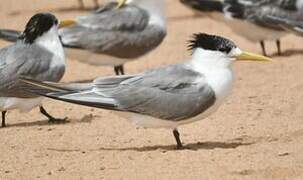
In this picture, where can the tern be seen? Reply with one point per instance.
(252, 19)
(117, 33)
(166, 97)
(37, 54)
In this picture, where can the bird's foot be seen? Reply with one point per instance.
(58, 120)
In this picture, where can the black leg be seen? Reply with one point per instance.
(119, 70)
(177, 137)
(3, 118)
(96, 4)
(51, 119)
(278, 42)
(263, 47)
(81, 4)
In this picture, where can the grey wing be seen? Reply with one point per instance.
(99, 29)
(170, 93)
(21, 60)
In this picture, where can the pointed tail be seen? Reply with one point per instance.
(76, 93)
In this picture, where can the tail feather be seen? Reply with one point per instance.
(9, 35)
(77, 93)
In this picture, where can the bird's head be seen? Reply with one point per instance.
(40, 24)
(217, 50)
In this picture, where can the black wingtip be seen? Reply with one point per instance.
(204, 5)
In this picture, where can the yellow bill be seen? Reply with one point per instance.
(247, 56)
(120, 3)
(65, 23)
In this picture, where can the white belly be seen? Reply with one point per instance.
(248, 30)
(93, 58)
(254, 32)
(22, 104)
(151, 122)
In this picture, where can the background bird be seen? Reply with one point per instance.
(38, 54)
(252, 19)
(161, 98)
(116, 33)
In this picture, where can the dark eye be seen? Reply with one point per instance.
(56, 21)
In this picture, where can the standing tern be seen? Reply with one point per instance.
(113, 36)
(252, 19)
(162, 98)
(37, 54)
(117, 33)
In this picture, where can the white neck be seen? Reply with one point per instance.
(206, 59)
(216, 70)
(50, 40)
(155, 8)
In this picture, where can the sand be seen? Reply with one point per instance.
(256, 134)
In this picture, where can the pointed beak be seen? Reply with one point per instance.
(120, 3)
(66, 23)
(247, 56)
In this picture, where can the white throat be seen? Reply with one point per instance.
(216, 70)
(50, 40)
(206, 59)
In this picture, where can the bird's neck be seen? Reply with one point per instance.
(206, 60)
(50, 40)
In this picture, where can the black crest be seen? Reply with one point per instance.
(211, 42)
(37, 25)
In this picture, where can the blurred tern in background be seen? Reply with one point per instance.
(37, 54)
(116, 33)
(253, 19)
(166, 97)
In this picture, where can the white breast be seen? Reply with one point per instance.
(50, 40)
(23, 104)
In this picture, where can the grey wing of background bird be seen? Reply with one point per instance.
(22, 60)
(287, 19)
(9, 35)
(171, 93)
(104, 31)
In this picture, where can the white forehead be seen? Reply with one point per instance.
(235, 51)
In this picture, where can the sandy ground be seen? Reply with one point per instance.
(256, 134)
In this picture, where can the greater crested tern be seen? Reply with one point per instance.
(252, 19)
(113, 36)
(162, 98)
(116, 33)
(37, 54)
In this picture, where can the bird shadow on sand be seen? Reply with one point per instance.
(56, 10)
(287, 53)
(192, 147)
(85, 119)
